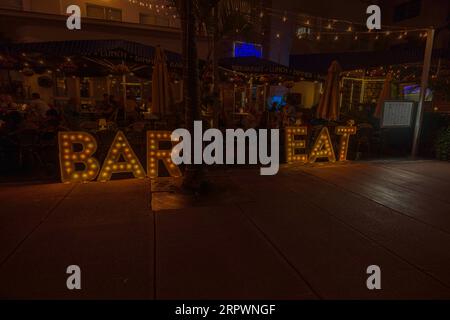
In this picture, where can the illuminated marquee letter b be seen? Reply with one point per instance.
(75, 157)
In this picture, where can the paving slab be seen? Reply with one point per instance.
(106, 229)
(215, 253)
(307, 233)
(23, 208)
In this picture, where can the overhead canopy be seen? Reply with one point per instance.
(106, 49)
(261, 66)
(359, 60)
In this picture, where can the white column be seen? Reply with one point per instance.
(423, 91)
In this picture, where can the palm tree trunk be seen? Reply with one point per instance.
(191, 88)
(216, 89)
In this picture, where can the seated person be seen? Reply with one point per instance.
(9, 104)
(131, 109)
(38, 106)
(105, 108)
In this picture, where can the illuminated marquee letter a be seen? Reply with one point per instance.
(121, 159)
(323, 147)
(77, 165)
(74, 20)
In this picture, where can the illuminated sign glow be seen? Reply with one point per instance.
(245, 49)
(78, 164)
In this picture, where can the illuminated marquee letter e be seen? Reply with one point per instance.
(293, 144)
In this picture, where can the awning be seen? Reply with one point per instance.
(254, 65)
(105, 49)
(359, 60)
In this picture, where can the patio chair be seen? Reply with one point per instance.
(104, 139)
(28, 141)
(48, 151)
(137, 137)
(363, 140)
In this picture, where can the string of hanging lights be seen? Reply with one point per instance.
(308, 27)
(159, 6)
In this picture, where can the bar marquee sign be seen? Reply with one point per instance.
(78, 164)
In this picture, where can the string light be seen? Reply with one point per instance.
(316, 25)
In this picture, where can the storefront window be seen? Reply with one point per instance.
(158, 20)
(100, 87)
(61, 87)
(106, 13)
(85, 88)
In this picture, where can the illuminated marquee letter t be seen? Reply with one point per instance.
(345, 133)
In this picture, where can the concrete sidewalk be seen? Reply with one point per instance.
(307, 233)
(105, 228)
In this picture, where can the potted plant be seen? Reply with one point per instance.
(442, 145)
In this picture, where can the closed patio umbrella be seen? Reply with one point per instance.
(161, 98)
(384, 95)
(328, 108)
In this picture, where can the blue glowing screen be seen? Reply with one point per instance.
(245, 49)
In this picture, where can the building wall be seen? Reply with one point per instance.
(130, 12)
(11, 4)
(287, 43)
(42, 21)
(433, 13)
(310, 92)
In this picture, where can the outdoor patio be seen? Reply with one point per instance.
(307, 233)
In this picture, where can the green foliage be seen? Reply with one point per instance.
(441, 85)
(442, 145)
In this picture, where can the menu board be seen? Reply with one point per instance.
(397, 114)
